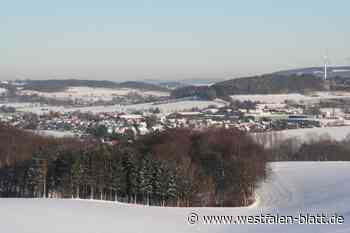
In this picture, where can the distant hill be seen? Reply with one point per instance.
(287, 81)
(55, 85)
(171, 85)
(142, 86)
(265, 84)
(270, 84)
(333, 71)
(177, 83)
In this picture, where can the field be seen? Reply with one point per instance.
(281, 98)
(290, 190)
(92, 94)
(305, 135)
(54, 133)
(2, 90)
(164, 107)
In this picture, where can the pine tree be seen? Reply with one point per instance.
(77, 176)
(171, 191)
(144, 179)
(118, 178)
(33, 178)
(130, 178)
(156, 182)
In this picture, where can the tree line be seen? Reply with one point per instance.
(179, 167)
(313, 147)
(317, 150)
(263, 84)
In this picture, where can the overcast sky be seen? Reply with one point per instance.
(120, 40)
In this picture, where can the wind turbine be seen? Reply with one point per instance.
(325, 58)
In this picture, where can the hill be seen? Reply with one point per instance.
(333, 71)
(55, 85)
(142, 86)
(270, 84)
(281, 82)
(265, 84)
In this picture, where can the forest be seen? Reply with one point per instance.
(264, 84)
(314, 147)
(178, 167)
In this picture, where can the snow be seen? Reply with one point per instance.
(281, 98)
(92, 94)
(340, 70)
(20, 104)
(190, 113)
(305, 135)
(2, 90)
(293, 188)
(55, 133)
(131, 116)
(273, 99)
(164, 107)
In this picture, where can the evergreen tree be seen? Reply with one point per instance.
(156, 182)
(33, 178)
(144, 179)
(171, 191)
(130, 178)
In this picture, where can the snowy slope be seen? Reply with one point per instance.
(293, 187)
(305, 135)
(92, 94)
(164, 107)
(281, 98)
(54, 133)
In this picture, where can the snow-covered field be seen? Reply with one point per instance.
(306, 135)
(336, 133)
(272, 99)
(165, 107)
(2, 90)
(293, 188)
(54, 133)
(176, 106)
(92, 94)
(281, 98)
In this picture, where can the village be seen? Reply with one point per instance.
(113, 126)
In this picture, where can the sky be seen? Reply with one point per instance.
(162, 39)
